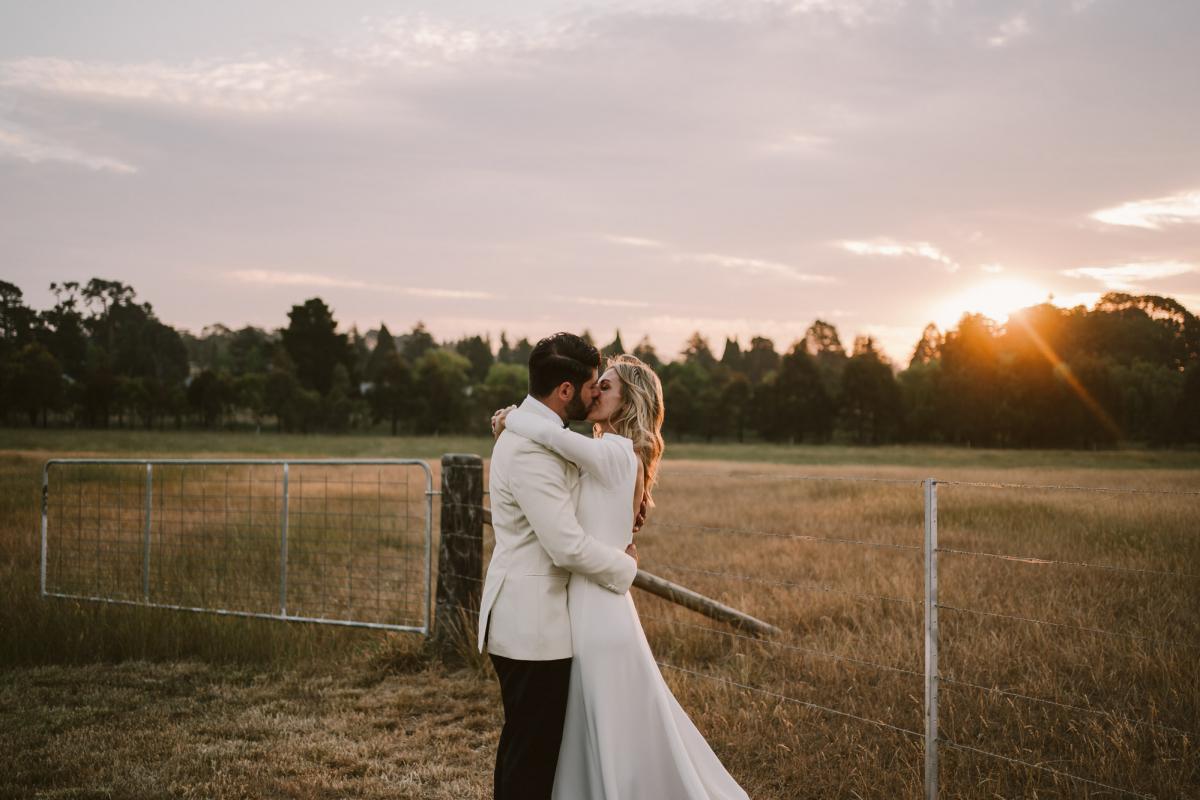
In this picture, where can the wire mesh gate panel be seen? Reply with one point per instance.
(344, 542)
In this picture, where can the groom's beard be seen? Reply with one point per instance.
(576, 410)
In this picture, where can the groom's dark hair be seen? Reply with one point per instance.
(559, 358)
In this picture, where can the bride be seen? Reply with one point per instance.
(625, 736)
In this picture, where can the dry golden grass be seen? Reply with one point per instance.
(823, 593)
(104, 701)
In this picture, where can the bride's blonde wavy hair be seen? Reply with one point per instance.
(640, 415)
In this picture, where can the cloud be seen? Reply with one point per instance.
(604, 302)
(755, 266)
(743, 264)
(892, 249)
(264, 277)
(1126, 277)
(421, 42)
(635, 241)
(258, 85)
(33, 149)
(1012, 29)
(798, 144)
(1153, 214)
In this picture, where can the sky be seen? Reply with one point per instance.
(730, 167)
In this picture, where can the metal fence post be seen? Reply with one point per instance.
(45, 511)
(931, 642)
(146, 533)
(283, 550)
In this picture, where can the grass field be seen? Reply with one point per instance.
(105, 701)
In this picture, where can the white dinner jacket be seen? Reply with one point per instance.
(539, 544)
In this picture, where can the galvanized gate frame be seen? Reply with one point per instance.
(283, 534)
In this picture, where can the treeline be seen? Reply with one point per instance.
(1126, 370)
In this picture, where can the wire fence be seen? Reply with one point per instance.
(1090, 690)
(1005, 639)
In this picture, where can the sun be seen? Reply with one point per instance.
(995, 299)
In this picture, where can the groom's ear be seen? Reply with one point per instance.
(565, 391)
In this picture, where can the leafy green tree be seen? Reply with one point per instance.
(209, 350)
(505, 354)
(339, 405)
(18, 322)
(416, 343)
(283, 393)
(208, 395)
(645, 351)
(478, 351)
(392, 395)
(822, 342)
(314, 345)
(505, 385)
(1186, 420)
(970, 382)
(18, 328)
(385, 345)
(443, 380)
(697, 352)
(735, 404)
(522, 350)
(64, 331)
(250, 395)
(1155, 329)
(40, 379)
(360, 354)
(692, 400)
(760, 359)
(249, 352)
(928, 347)
(614, 348)
(870, 396)
(921, 407)
(795, 400)
(731, 358)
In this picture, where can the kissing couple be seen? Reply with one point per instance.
(587, 714)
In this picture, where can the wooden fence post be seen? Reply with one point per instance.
(460, 557)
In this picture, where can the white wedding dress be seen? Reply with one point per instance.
(625, 736)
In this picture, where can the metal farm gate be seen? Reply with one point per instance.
(341, 542)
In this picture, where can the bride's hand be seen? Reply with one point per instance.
(498, 421)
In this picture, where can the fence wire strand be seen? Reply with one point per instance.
(1104, 712)
(774, 476)
(1069, 488)
(1067, 625)
(814, 587)
(1051, 770)
(1058, 562)
(785, 646)
(794, 536)
(798, 701)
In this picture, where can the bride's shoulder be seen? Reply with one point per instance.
(623, 443)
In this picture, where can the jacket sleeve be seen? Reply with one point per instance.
(604, 459)
(540, 488)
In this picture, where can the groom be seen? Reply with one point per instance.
(523, 615)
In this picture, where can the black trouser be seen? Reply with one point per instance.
(535, 703)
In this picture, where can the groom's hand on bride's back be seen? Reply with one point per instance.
(631, 551)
